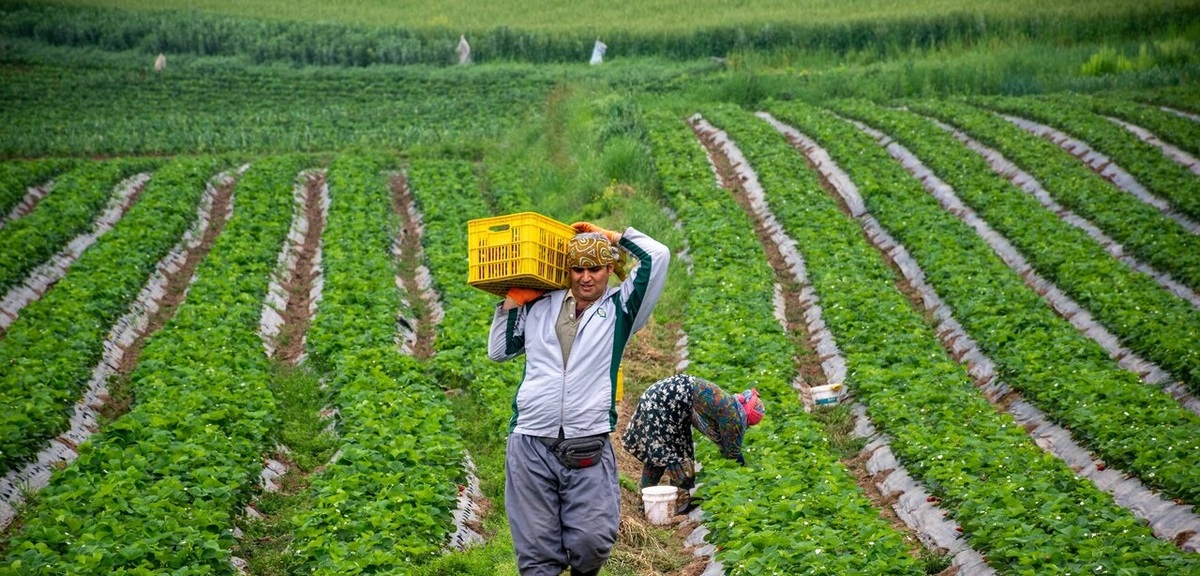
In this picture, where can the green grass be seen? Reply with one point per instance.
(655, 16)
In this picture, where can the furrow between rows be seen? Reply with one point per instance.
(1170, 521)
(912, 502)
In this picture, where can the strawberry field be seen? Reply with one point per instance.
(236, 335)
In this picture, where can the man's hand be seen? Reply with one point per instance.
(613, 237)
(521, 296)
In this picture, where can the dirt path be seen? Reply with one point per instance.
(640, 545)
(299, 283)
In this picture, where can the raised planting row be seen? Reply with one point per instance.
(1169, 521)
(1180, 101)
(1143, 230)
(384, 502)
(17, 177)
(78, 198)
(1153, 322)
(794, 509)
(1128, 424)
(49, 352)
(447, 194)
(1160, 175)
(1169, 127)
(1017, 505)
(157, 489)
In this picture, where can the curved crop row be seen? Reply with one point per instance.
(1016, 504)
(17, 177)
(1142, 229)
(385, 500)
(49, 352)
(158, 489)
(236, 108)
(1156, 172)
(1169, 127)
(1153, 322)
(1037, 352)
(794, 509)
(78, 197)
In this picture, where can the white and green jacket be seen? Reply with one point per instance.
(580, 399)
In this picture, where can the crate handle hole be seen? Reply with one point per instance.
(499, 228)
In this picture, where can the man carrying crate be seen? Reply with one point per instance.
(560, 490)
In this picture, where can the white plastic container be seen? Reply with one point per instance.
(659, 502)
(828, 395)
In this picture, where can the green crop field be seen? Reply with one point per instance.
(640, 17)
(236, 333)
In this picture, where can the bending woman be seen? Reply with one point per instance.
(660, 432)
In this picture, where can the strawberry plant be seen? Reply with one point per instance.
(385, 500)
(157, 489)
(1161, 176)
(49, 352)
(794, 509)
(1141, 229)
(17, 177)
(78, 198)
(1016, 504)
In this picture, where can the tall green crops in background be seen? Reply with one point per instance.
(372, 31)
(651, 16)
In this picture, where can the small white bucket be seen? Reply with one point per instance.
(828, 395)
(659, 502)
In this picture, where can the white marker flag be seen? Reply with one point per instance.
(464, 50)
(598, 52)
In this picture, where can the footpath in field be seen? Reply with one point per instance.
(388, 404)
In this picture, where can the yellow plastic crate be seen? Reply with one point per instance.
(526, 249)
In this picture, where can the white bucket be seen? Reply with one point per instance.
(659, 502)
(828, 395)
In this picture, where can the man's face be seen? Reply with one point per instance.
(588, 284)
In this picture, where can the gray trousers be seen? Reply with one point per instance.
(559, 517)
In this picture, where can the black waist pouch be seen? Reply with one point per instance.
(575, 453)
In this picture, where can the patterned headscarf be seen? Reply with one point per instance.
(752, 405)
(589, 249)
